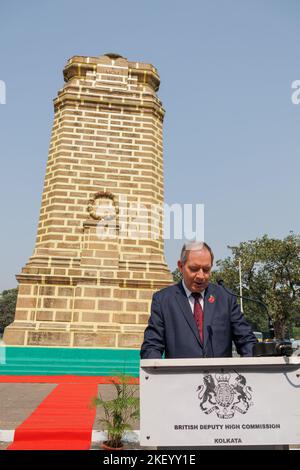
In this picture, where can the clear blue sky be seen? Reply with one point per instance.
(231, 131)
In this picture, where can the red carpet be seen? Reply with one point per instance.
(63, 421)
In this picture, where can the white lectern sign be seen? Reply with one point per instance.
(220, 402)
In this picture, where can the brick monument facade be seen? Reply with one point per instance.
(99, 253)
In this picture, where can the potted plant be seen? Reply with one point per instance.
(119, 411)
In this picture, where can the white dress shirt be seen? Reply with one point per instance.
(191, 298)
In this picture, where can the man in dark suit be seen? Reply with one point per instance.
(195, 318)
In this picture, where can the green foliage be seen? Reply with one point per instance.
(271, 273)
(121, 410)
(295, 332)
(177, 275)
(8, 302)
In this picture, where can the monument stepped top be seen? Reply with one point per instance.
(78, 66)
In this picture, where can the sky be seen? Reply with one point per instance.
(231, 129)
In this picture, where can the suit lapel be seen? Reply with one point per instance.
(186, 310)
(210, 301)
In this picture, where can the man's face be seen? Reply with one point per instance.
(196, 270)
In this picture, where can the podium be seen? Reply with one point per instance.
(231, 402)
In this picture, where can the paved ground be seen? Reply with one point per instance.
(18, 401)
(4, 445)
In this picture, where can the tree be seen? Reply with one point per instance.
(177, 276)
(8, 302)
(270, 273)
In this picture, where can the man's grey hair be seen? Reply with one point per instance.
(195, 246)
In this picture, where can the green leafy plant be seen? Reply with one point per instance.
(8, 301)
(121, 410)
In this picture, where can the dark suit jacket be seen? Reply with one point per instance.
(172, 329)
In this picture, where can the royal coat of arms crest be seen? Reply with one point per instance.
(223, 397)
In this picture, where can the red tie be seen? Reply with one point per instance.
(198, 314)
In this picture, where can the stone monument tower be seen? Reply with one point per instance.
(99, 251)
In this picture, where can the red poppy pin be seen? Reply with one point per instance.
(211, 299)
